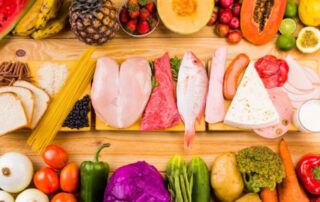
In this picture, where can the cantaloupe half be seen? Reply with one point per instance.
(185, 16)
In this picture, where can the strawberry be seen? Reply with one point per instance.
(124, 15)
(144, 14)
(135, 2)
(134, 11)
(143, 27)
(132, 26)
(142, 2)
(150, 7)
(152, 22)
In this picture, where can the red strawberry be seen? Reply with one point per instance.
(144, 14)
(134, 11)
(152, 22)
(132, 26)
(143, 27)
(150, 7)
(124, 15)
(135, 2)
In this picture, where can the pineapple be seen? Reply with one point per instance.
(94, 21)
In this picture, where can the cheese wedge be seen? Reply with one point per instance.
(251, 107)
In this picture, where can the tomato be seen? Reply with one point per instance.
(64, 197)
(46, 180)
(55, 157)
(69, 177)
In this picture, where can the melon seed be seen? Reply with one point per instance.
(262, 12)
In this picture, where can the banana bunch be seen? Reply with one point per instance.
(46, 18)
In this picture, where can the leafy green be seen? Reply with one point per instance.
(179, 181)
(175, 63)
(153, 78)
(260, 168)
(143, 2)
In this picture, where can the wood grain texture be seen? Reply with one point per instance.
(157, 147)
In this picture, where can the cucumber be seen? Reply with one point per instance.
(201, 180)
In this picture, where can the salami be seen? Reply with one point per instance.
(284, 108)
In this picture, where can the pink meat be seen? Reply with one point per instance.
(215, 111)
(119, 95)
(161, 111)
(312, 76)
(284, 108)
(297, 76)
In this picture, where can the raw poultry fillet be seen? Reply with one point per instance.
(161, 111)
(215, 111)
(192, 90)
(120, 94)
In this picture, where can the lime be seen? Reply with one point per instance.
(291, 9)
(288, 26)
(286, 42)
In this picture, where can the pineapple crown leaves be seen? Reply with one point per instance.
(133, 7)
(143, 2)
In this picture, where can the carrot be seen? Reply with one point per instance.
(290, 190)
(268, 195)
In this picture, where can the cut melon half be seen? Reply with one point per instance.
(185, 16)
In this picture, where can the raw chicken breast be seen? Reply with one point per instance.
(119, 96)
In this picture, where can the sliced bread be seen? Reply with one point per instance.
(12, 113)
(26, 97)
(41, 101)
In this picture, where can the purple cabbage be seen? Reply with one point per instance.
(137, 182)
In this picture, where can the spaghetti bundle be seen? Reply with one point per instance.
(78, 80)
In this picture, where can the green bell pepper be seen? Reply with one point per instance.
(93, 178)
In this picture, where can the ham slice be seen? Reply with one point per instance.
(161, 111)
(297, 76)
(119, 95)
(284, 108)
(215, 111)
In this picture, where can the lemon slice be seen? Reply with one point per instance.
(308, 40)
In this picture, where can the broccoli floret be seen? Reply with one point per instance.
(260, 168)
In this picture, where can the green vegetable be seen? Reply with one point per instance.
(93, 177)
(260, 168)
(175, 65)
(179, 182)
(201, 185)
(286, 42)
(153, 78)
(291, 9)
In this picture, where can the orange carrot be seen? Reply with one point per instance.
(268, 195)
(290, 189)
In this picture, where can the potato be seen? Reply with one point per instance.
(226, 180)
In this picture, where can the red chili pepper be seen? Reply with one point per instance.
(308, 169)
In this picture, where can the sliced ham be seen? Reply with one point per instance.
(119, 95)
(215, 111)
(312, 76)
(297, 76)
(284, 108)
(161, 111)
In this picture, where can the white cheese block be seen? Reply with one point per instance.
(251, 107)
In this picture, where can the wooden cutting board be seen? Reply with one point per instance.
(154, 147)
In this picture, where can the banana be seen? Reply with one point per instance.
(56, 25)
(48, 11)
(27, 24)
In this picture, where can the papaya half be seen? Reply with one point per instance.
(261, 19)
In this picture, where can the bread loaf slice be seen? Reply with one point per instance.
(41, 101)
(12, 113)
(25, 96)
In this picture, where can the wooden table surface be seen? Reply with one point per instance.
(155, 147)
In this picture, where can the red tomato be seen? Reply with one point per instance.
(64, 197)
(69, 177)
(46, 180)
(55, 157)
